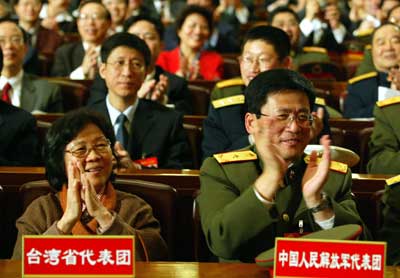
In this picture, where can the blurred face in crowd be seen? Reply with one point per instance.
(147, 32)
(386, 48)
(394, 16)
(285, 121)
(124, 72)
(93, 23)
(60, 4)
(194, 32)
(13, 46)
(97, 163)
(117, 9)
(28, 10)
(259, 56)
(288, 23)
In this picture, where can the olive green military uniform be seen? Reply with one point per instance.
(309, 55)
(238, 226)
(384, 145)
(366, 65)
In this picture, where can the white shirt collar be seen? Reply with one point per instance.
(114, 113)
(16, 84)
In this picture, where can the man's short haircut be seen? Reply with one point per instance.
(61, 133)
(127, 40)
(17, 1)
(194, 9)
(85, 2)
(282, 9)
(270, 35)
(24, 33)
(154, 21)
(391, 11)
(380, 27)
(274, 81)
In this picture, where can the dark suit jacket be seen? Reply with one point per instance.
(18, 137)
(362, 96)
(39, 94)
(155, 131)
(67, 58)
(178, 92)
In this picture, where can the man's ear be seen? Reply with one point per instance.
(102, 70)
(250, 122)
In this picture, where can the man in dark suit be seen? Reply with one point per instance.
(18, 135)
(19, 88)
(150, 132)
(78, 60)
(164, 87)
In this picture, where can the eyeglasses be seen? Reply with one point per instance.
(82, 150)
(94, 17)
(302, 119)
(261, 61)
(135, 65)
(14, 40)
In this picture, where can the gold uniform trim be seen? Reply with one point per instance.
(230, 82)
(315, 49)
(362, 77)
(227, 101)
(334, 166)
(388, 101)
(320, 101)
(235, 156)
(393, 180)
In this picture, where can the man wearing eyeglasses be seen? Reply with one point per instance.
(271, 189)
(79, 60)
(18, 87)
(264, 48)
(150, 133)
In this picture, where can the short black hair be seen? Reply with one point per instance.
(24, 33)
(270, 35)
(194, 9)
(282, 9)
(380, 27)
(17, 1)
(85, 2)
(127, 40)
(154, 21)
(274, 81)
(61, 133)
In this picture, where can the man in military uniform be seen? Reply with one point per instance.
(249, 197)
(363, 89)
(264, 48)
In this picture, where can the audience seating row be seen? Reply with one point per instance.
(187, 241)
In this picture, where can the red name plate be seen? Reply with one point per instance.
(78, 256)
(296, 257)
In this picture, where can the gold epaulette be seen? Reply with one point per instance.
(388, 101)
(368, 47)
(320, 101)
(236, 156)
(227, 101)
(334, 166)
(315, 49)
(230, 82)
(364, 32)
(363, 76)
(393, 180)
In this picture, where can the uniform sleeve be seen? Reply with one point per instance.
(357, 104)
(384, 149)
(230, 219)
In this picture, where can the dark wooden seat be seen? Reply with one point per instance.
(194, 134)
(200, 99)
(161, 197)
(322, 71)
(231, 66)
(337, 91)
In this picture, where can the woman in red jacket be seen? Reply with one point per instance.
(189, 60)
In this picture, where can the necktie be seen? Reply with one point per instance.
(122, 132)
(5, 94)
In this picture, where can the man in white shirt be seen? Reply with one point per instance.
(19, 88)
(79, 60)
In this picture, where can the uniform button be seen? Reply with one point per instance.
(285, 217)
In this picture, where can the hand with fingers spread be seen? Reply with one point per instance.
(74, 203)
(316, 174)
(317, 124)
(156, 91)
(125, 162)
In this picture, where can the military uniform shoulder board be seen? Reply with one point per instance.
(315, 49)
(230, 82)
(320, 101)
(365, 32)
(388, 101)
(237, 156)
(393, 180)
(227, 101)
(362, 77)
(368, 47)
(334, 166)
